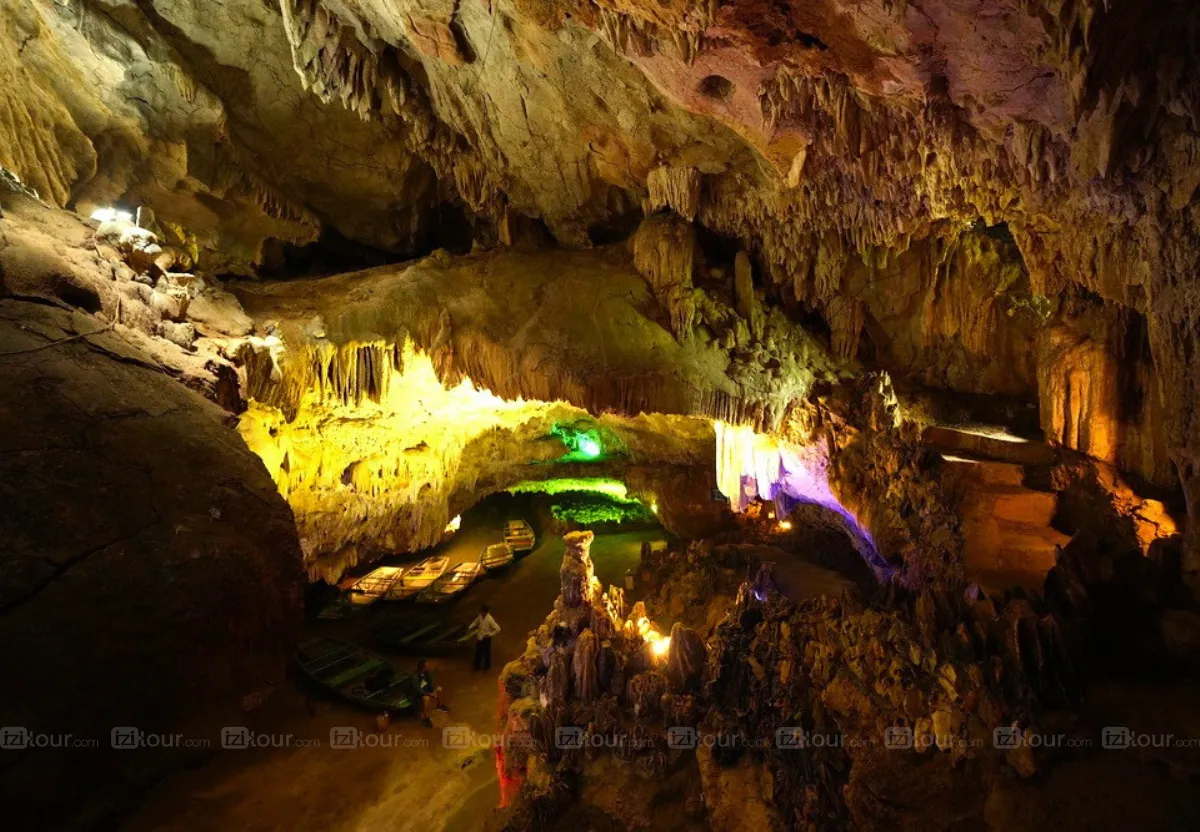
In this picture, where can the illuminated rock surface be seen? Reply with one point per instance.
(923, 266)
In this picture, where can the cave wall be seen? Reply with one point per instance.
(197, 114)
(375, 407)
(151, 571)
(858, 153)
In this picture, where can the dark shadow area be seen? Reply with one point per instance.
(331, 254)
(716, 87)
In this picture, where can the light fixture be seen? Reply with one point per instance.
(785, 525)
(581, 438)
(109, 214)
(589, 447)
(454, 524)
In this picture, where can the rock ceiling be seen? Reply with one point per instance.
(988, 195)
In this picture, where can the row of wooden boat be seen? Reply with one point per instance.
(432, 581)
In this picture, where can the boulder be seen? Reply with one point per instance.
(151, 571)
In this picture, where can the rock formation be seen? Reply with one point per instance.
(152, 573)
(921, 270)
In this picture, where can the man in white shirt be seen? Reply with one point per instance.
(485, 627)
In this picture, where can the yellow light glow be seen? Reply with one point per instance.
(785, 525)
(660, 646)
(454, 524)
(991, 432)
(352, 466)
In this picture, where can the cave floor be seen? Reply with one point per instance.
(416, 783)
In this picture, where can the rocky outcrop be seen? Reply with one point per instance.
(152, 572)
(811, 686)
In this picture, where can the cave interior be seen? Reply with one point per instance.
(837, 357)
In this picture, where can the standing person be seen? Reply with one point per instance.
(485, 627)
(429, 693)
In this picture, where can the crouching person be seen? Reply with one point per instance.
(429, 693)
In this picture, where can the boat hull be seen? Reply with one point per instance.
(355, 675)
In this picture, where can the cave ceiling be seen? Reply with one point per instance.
(818, 128)
(990, 196)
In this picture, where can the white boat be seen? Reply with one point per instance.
(374, 585)
(417, 578)
(519, 535)
(452, 584)
(496, 557)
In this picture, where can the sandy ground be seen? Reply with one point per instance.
(403, 778)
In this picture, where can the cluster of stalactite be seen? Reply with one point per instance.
(664, 252)
(345, 374)
(677, 188)
(628, 34)
(374, 81)
(334, 63)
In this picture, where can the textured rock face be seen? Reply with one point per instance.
(151, 571)
(376, 403)
(938, 182)
(197, 114)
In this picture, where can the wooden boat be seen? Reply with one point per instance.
(496, 557)
(374, 585)
(452, 584)
(355, 675)
(423, 635)
(519, 535)
(418, 578)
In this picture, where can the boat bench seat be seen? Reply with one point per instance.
(318, 651)
(354, 672)
(418, 633)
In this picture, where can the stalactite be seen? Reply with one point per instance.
(677, 188)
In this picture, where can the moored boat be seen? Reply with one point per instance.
(452, 584)
(496, 557)
(423, 636)
(355, 675)
(519, 535)
(374, 585)
(417, 578)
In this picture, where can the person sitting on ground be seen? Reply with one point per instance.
(429, 692)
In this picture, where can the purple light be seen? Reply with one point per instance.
(790, 475)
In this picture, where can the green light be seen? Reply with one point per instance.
(597, 485)
(589, 447)
(582, 439)
(588, 500)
